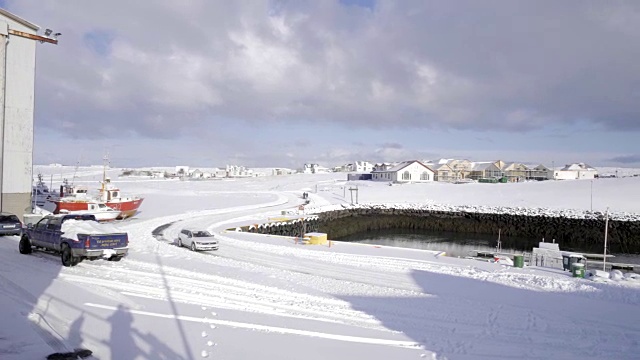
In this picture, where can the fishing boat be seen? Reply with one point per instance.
(40, 193)
(75, 198)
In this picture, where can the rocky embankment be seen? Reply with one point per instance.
(571, 228)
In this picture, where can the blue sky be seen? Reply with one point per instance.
(278, 83)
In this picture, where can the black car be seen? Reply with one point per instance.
(10, 224)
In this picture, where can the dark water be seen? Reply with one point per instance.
(458, 244)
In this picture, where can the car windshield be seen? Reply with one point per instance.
(201, 234)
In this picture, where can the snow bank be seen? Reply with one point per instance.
(71, 228)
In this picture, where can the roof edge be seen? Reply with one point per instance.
(19, 19)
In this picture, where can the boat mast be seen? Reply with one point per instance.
(606, 228)
(105, 161)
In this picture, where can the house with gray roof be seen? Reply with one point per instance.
(405, 172)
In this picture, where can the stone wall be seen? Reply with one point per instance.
(585, 234)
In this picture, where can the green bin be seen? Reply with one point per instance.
(518, 261)
(577, 270)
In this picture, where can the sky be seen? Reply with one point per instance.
(283, 83)
(269, 297)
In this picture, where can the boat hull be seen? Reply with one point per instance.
(126, 207)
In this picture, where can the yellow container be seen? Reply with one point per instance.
(316, 238)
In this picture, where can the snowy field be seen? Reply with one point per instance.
(266, 297)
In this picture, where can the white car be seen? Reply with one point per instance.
(197, 239)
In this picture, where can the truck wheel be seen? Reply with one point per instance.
(193, 246)
(25, 245)
(115, 258)
(67, 256)
(179, 242)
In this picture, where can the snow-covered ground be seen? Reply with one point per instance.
(266, 297)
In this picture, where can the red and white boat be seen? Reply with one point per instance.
(75, 198)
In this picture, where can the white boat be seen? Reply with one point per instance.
(40, 193)
(102, 212)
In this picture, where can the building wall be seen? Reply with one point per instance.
(17, 157)
(415, 171)
(575, 174)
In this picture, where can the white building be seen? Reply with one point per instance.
(404, 172)
(361, 166)
(576, 171)
(314, 169)
(17, 80)
(238, 171)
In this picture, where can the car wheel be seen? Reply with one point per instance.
(25, 246)
(193, 246)
(115, 258)
(67, 256)
(179, 242)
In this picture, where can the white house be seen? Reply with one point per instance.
(314, 169)
(238, 171)
(576, 171)
(404, 172)
(362, 167)
(382, 166)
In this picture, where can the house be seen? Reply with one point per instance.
(314, 169)
(485, 170)
(461, 168)
(382, 166)
(238, 171)
(576, 171)
(182, 170)
(404, 172)
(362, 167)
(200, 174)
(515, 171)
(443, 172)
(539, 172)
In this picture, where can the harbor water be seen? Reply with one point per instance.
(460, 244)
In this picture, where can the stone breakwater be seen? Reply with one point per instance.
(570, 228)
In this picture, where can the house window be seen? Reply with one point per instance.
(406, 175)
(424, 176)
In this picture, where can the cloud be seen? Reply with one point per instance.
(174, 69)
(627, 159)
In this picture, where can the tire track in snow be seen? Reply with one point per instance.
(280, 330)
(196, 288)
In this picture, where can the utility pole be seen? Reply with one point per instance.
(591, 195)
(606, 229)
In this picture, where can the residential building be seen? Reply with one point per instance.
(443, 172)
(576, 171)
(382, 166)
(461, 168)
(515, 171)
(485, 170)
(539, 172)
(404, 172)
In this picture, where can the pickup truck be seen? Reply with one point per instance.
(75, 237)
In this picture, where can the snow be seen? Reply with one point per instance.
(71, 228)
(269, 297)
